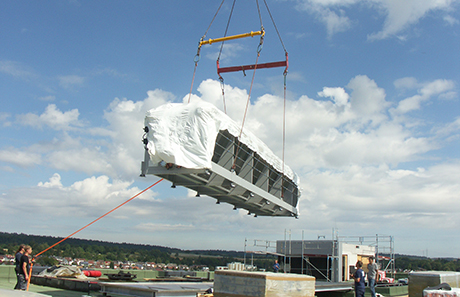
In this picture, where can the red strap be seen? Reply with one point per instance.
(253, 66)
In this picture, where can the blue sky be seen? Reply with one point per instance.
(372, 131)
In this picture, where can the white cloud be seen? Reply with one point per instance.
(211, 91)
(52, 117)
(108, 71)
(20, 158)
(54, 182)
(68, 81)
(406, 83)
(4, 119)
(400, 197)
(229, 51)
(335, 22)
(402, 14)
(367, 99)
(399, 15)
(4, 116)
(451, 20)
(450, 129)
(96, 190)
(330, 2)
(15, 69)
(348, 152)
(339, 95)
(440, 87)
(352, 129)
(151, 227)
(81, 159)
(126, 121)
(47, 98)
(328, 13)
(117, 151)
(90, 197)
(7, 169)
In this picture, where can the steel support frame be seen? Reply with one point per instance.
(237, 176)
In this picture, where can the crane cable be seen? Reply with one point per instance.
(284, 134)
(47, 249)
(245, 112)
(221, 79)
(274, 25)
(259, 49)
(197, 56)
(284, 99)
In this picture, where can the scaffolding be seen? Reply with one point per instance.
(258, 247)
(325, 260)
(384, 249)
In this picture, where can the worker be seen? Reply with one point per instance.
(358, 276)
(372, 274)
(276, 266)
(24, 266)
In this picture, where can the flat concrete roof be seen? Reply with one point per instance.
(184, 289)
(19, 293)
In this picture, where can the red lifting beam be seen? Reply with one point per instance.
(253, 66)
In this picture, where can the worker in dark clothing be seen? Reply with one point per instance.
(358, 276)
(276, 266)
(17, 260)
(24, 269)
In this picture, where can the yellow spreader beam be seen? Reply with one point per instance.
(221, 39)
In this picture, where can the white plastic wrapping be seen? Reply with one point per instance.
(454, 292)
(63, 271)
(185, 135)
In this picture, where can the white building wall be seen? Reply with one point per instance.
(344, 254)
(355, 252)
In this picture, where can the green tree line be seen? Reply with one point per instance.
(425, 263)
(111, 251)
(123, 252)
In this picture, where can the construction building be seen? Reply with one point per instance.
(334, 260)
(327, 260)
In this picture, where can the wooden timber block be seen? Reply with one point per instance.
(228, 283)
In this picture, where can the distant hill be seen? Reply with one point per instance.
(15, 239)
(113, 251)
